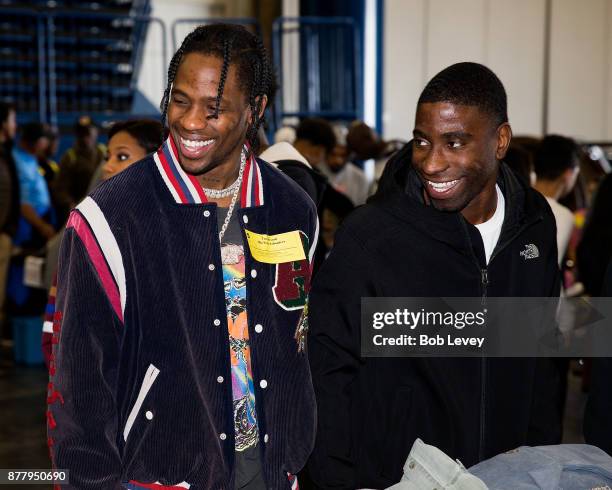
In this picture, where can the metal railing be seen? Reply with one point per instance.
(328, 50)
(46, 49)
(139, 25)
(245, 21)
(326, 46)
(40, 61)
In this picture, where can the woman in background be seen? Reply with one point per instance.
(128, 142)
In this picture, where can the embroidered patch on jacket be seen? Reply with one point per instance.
(530, 252)
(292, 282)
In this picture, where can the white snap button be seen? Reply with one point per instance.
(258, 328)
(149, 415)
(266, 438)
(222, 436)
(220, 379)
(245, 218)
(206, 213)
(211, 267)
(263, 384)
(217, 322)
(253, 273)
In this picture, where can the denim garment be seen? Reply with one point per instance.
(428, 468)
(566, 467)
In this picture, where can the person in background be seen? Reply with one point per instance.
(345, 176)
(365, 144)
(594, 166)
(9, 195)
(36, 223)
(47, 165)
(36, 226)
(292, 163)
(315, 139)
(128, 143)
(77, 166)
(557, 166)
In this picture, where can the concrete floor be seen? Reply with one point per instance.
(23, 428)
(23, 432)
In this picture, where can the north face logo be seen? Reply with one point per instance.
(530, 252)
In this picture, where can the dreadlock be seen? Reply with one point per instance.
(231, 43)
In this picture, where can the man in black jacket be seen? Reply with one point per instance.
(449, 219)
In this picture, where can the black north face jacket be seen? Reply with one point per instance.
(370, 410)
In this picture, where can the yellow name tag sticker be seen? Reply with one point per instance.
(276, 249)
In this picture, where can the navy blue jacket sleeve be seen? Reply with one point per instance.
(82, 414)
(334, 354)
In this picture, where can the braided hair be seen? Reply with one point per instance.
(231, 43)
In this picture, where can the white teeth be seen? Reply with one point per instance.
(442, 186)
(195, 143)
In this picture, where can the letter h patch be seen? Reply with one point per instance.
(292, 282)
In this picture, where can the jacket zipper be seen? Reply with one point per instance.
(484, 282)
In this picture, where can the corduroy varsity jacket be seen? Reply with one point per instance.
(140, 387)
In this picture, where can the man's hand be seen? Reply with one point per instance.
(39, 224)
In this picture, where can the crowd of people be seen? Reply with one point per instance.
(203, 324)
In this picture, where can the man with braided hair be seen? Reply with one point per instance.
(179, 332)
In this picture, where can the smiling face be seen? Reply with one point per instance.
(456, 151)
(123, 150)
(207, 144)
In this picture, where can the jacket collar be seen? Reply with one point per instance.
(186, 189)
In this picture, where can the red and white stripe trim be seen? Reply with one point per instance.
(103, 249)
(186, 189)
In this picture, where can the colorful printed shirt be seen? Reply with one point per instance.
(232, 258)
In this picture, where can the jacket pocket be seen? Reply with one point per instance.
(147, 382)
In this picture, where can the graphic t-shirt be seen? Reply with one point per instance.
(232, 258)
